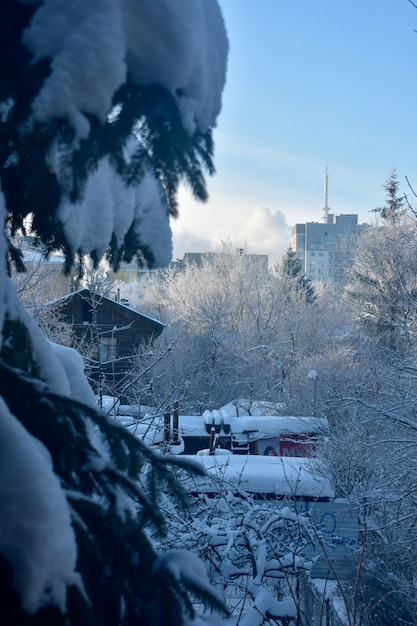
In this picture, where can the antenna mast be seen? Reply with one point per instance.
(326, 206)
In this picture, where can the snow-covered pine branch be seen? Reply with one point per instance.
(105, 107)
(99, 126)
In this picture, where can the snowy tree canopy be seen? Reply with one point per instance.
(78, 79)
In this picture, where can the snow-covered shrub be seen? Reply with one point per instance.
(252, 549)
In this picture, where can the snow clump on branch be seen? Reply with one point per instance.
(96, 45)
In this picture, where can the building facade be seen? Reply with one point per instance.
(110, 333)
(326, 249)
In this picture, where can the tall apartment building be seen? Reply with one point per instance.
(326, 248)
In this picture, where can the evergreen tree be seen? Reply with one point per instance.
(394, 208)
(293, 269)
(94, 141)
(45, 163)
(384, 286)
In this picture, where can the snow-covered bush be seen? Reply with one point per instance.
(253, 549)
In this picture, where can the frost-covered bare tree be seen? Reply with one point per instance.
(370, 401)
(43, 280)
(237, 329)
(42, 283)
(371, 453)
(105, 107)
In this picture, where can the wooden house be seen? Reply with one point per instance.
(110, 333)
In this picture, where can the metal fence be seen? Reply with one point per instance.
(313, 607)
(239, 598)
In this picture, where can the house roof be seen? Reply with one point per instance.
(88, 294)
(280, 476)
(249, 428)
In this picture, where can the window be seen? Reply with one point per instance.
(108, 348)
(87, 312)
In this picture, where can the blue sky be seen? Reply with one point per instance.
(310, 84)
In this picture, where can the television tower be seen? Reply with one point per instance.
(326, 207)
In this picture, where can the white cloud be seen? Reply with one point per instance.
(261, 232)
(264, 232)
(186, 241)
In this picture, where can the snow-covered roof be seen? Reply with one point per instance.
(253, 428)
(273, 426)
(283, 476)
(86, 293)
